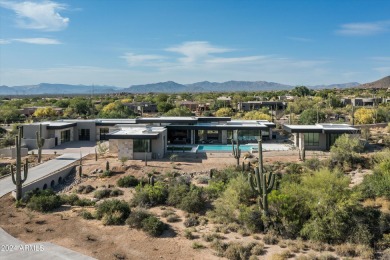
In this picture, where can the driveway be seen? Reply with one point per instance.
(85, 147)
(37, 172)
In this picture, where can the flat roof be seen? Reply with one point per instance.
(321, 128)
(136, 133)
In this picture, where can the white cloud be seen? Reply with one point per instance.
(142, 60)
(3, 41)
(364, 29)
(42, 41)
(236, 60)
(193, 51)
(43, 16)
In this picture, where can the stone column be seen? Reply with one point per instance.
(224, 136)
(270, 133)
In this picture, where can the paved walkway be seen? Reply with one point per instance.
(13, 249)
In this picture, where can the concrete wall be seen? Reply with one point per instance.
(48, 181)
(30, 130)
(159, 146)
(141, 156)
(113, 145)
(86, 125)
(11, 152)
(32, 143)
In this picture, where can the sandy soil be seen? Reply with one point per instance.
(64, 227)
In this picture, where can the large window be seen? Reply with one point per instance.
(312, 139)
(104, 130)
(332, 138)
(84, 134)
(65, 136)
(142, 145)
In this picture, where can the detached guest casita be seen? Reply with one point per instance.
(133, 138)
(318, 136)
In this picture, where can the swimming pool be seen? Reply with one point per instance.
(223, 148)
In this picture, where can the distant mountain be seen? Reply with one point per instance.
(206, 86)
(382, 83)
(161, 87)
(343, 85)
(52, 89)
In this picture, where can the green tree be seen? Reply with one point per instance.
(364, 116)
(256, 115)
(179, 111)
(310, 116)
(301, 91)
(8, 113)
(45, 112)
(116, 110)
(164, 107)
(346, 150)
(80, 106)
(225, 111)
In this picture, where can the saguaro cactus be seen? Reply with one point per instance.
(17, 174)
(260, 183)
(236, 150)
(107, 166)
(40, 142)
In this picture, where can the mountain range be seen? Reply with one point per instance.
(171, 87)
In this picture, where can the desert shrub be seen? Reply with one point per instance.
(377, 184)
(188, 234)
(193, 201)
(237, 193)
(250, 217)
(385, 254)
(116, 193)
(101, 194)
(153, 226)
(347, 250)
(203, 180)
(219, 247)
(84, 202)
(127, 181)
(293, 168)
(150, 195)
(136, 217)
(86, 214)
(69, 199)
(167, 212)
(44, 201)
(173, 218)
(197, 245)
(211, 237)
(236, 251)
(365, 252)
(106, 174)
(114, 211)
(215, 189)
(258, 249)
(191, 221)
(345, 150)
(271, 239)
(176, 193)
(88, 189)
(313, 164)
(80, 189)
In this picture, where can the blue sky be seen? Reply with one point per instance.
(121, 43)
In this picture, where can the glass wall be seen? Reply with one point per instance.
(312, 139)
(142, 145)
(65, 136)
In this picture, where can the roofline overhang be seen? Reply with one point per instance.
(123, 136)
(58, 127)
(216, 127)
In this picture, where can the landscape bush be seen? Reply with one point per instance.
(191, 221)
(176, 193)
(377, 184)
(114, 212)
(237, 194)
(345, 150)
(193, 201)
(127, 181)
(149, 195)
(101, 194)
(153, 226)
(136, 217)
(237, 251)
(84, 189)
(86, 215)
(44, 201)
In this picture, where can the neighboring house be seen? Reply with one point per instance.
(142, 107)
(318, 136)
(226, 100)
(361, 102)
(256, 105)
(191, 105)
(286, 98)
(29, 111)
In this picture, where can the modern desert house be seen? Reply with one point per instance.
(318, 136)
(131, 137)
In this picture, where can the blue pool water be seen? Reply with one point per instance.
(222, 148)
